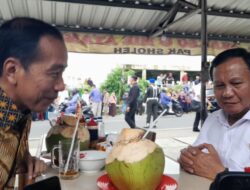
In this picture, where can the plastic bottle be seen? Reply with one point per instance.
(101, 130)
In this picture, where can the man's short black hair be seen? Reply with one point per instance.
(19, 38)
(228, 54)
(134, 77)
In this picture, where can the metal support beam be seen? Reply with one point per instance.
(103, 31)
(127, 4)
(204, 64)
(183, 18)
(171, 14)
(245, 39)
(228, 13)
(188, 4)
(159, 7)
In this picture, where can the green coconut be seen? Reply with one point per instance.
(63, 132)
(135, 164)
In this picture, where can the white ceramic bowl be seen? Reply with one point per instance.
(92, 160)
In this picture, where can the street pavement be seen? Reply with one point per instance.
(117, 123)
(172, 133)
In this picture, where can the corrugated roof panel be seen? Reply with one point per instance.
(73, 14)
(97, 16)
(1, 15)
(158, 19)
(216, 25)
(18, 7)
(124, 18)
(148, 20)
(112, 17)
(154, 20)
(47, 12)
(35, 9)
(61, 13)
(229, 4)
(101, 16)
(85, 16)
(5, 10)
(188, 25)
(223, 25)
(140, 19)
(135, 22)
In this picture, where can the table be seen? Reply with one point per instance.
(88, 181)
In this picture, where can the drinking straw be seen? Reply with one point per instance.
(153, 123)
(71, 145)
(39, 150)
(39, 147)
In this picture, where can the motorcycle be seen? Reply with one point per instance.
(86, 110)
(176, 109)
(62, 107)
(213, 106)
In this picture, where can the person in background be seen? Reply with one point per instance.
(105, 102)
(165, 100)
(95, 98)
(85, 96)
(158, 81)
(90, 82)
(188, 100)
(170, 79)
(72, 103)
(184, 78)
(112, 104)
(33, 57)
(124, 102)
(197, 80)
(182, 100)
(223, 142)
(151, 98)
(133, 95)
(197, 100)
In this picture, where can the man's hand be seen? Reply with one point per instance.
(35, 167)
(195, 161)
(187, 156)
(207, 164)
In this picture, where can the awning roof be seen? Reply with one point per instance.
(227, 19)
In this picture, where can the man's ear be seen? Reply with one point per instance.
(11, 69)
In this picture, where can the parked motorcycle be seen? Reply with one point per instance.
(86, 110)
(214, 106)
(176, 109)
(62, 107)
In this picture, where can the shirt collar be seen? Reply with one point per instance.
(222, 118)
(9, 113)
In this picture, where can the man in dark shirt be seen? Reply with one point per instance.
(132, 102)
(151, 98)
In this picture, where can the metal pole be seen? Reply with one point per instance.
(204, 64)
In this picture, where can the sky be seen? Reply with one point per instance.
(98, 66)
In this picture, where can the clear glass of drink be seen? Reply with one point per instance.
(68, 169)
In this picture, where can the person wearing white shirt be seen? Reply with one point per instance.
(197, 98)
(232, 142)
(224, 140)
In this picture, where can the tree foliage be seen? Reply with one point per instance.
(117, 81)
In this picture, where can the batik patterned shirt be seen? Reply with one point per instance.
(14, 129)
